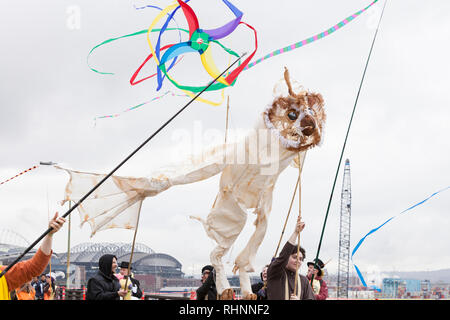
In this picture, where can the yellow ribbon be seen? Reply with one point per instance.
(206, 59)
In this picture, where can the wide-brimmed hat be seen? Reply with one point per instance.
(125, 264)
(319, 265)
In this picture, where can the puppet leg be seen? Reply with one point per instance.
(222, 284)
(223, 224)
(244, 260)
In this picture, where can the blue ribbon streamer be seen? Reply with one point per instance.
(377, 228)
(159, 76)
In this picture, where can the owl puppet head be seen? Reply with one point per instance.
(297, 119)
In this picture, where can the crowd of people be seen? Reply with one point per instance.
(280, 279)
(39, 288)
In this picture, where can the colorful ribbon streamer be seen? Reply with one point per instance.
(19, 174)
(138, 106)
(131, 35)
(379, 227)
(309, 40)
(160, 78)
(199, 41)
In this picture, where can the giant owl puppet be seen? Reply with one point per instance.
(289, 126)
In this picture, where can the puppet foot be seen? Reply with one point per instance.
(227, 294)
(250, 296)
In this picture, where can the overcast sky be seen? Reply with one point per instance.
(398, 145)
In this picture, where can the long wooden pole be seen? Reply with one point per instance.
(290, 206)
(300, 215)
(226, 135)
(68, 250)
(226, 122)
(132, 247)
(51, 254)
(287, 217)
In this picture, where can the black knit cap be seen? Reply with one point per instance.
(207, 267)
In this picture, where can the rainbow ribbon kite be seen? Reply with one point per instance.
(380, 226)
(200, 41)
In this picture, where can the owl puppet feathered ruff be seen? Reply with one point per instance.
(288, 127)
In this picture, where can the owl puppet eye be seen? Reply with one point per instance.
(293, 115)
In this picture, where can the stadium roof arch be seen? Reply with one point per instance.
(91, 252)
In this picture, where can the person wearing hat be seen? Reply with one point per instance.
(49, 287)
(136, 292)
(208, 290)
(319, 285)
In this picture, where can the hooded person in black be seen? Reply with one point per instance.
(207, 291)
(104, 285)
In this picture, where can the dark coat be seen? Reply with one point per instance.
(277, 274)
(104, 285)
(207, 291)
(136, 287)
(260, 291)
(39, 288)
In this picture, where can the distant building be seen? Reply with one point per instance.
(150, 268)
(396, 288)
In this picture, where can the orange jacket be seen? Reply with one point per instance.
(23, 295)
(24, 271)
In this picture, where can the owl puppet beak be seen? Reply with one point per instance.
(307, 125)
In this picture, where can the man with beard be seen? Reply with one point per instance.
(104, 285)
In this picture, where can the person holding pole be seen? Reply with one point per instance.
(25, 271)
(104, 285)
(125, 270)
(282, 271)
(319, 285)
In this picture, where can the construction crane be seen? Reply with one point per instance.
(344, 234)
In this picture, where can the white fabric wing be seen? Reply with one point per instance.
(117, 202)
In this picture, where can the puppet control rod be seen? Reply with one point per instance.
(346, 137)
(116, 168)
